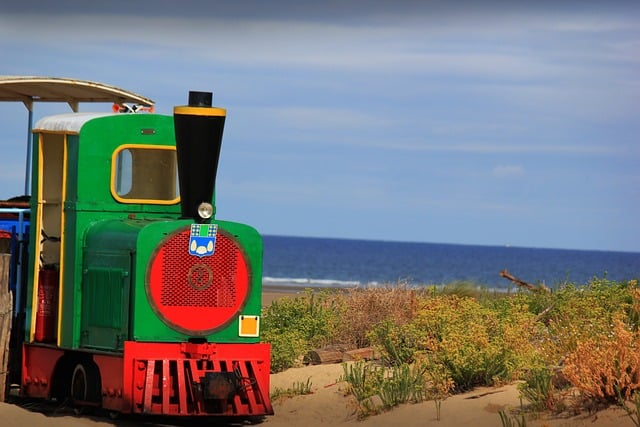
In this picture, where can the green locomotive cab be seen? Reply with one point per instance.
(132, 278)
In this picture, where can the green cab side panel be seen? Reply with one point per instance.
(89, 200)
(106, 282)
(99, 139)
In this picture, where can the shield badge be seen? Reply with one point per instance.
(202, 240)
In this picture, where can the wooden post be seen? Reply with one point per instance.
(6, 315)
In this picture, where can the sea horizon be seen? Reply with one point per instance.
(490, 245)
(319, 262)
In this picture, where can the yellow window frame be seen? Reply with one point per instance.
(134, 200)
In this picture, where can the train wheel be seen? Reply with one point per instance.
(85, 386)
(61, 381)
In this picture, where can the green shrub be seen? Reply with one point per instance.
(580, 314)
(376, 388)
(297, 389)
(287, 346)
(362, 379)
(403, 383)
(398, 344)
(512, 421)
(478, 345)
(538, 389)
(297, 325)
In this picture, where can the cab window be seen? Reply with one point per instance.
(145, 174)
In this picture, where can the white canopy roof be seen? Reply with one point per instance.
(29, 89)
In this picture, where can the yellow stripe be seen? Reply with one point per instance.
(146, 201)
(62, 235)
(112, 185)
(56, 132)
(38, 248)
(200, 111)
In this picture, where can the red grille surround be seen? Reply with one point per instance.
(198, 295)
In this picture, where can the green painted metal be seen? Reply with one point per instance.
(106, 283)
(116, 253)
(89, 197)
(108, 245)
(146, 324)
(100, 138)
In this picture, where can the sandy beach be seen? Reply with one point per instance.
(328, 405)
(274, 293)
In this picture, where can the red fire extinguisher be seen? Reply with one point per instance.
(47, 311)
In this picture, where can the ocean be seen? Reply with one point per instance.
(329, 262)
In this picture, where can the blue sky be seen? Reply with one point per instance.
(465, 122)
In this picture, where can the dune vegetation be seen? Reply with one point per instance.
(573, 348)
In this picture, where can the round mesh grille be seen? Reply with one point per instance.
(198, 294)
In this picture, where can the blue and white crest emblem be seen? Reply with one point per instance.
(202, 241)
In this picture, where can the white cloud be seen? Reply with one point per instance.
(304, 117)
(592, 24)
(420, 44)
(498, 148)
(327, 191)
(503, 171)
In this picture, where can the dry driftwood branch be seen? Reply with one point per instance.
(319, 357)
(544, 312)
(533, 288)
(337, 355)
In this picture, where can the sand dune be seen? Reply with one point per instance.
(328, 405)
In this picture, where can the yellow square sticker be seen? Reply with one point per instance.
(249, 326)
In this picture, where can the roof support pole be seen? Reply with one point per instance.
(27, 176)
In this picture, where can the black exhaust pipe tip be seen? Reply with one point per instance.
(200, 99)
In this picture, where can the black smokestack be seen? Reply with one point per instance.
(198, 129)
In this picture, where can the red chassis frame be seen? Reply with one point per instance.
(176, 379)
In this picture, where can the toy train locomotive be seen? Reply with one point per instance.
(138, 300)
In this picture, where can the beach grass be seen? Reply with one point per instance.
(571, 349)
